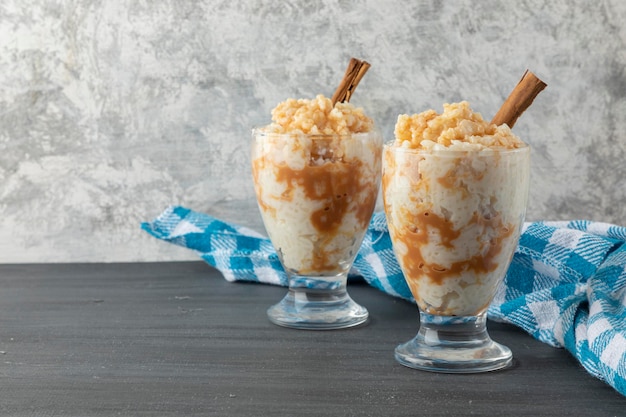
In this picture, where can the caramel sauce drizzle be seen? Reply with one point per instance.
(417, 237)
(337, 185)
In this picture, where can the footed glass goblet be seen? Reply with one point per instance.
(454, 219)
(316, 194)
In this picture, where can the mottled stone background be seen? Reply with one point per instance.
(111, 111)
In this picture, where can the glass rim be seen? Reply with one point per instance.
(260, 132)
(445, 150)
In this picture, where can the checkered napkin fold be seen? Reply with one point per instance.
(566, 285)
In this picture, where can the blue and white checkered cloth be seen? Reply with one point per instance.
(566, 285)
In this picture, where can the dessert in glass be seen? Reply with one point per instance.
(317, 171)
(455, 189)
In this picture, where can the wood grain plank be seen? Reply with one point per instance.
(173, 339)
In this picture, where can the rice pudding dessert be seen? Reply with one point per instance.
(316, 171)
(451, 189)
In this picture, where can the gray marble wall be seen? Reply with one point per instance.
(112, 110)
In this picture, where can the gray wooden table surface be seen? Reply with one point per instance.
(176, 339)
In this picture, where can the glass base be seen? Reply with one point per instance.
(453, 345)
(317, 304)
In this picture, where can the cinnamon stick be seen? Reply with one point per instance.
(519, 100)
(355, 71)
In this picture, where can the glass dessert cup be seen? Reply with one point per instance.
(316, 195)
(454, 219)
